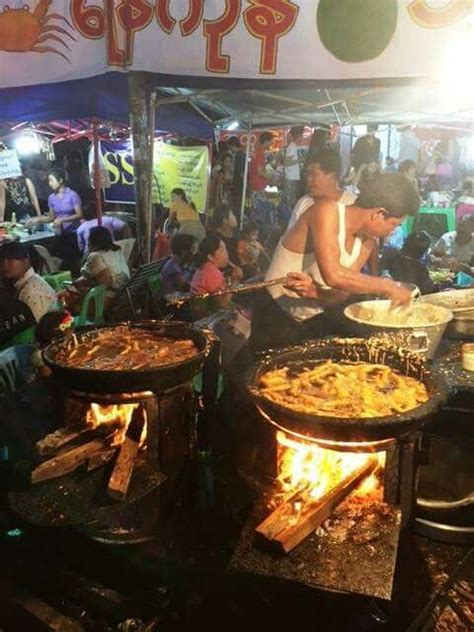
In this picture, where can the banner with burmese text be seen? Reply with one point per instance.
(47, 41)
(181, 167)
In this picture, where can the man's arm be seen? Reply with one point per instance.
(324, 229)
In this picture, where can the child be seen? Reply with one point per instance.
(177, 272)
(407, 265)
(250, 251)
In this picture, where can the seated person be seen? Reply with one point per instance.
(15, 317)
(184, 214)
(251, 251)
(406, 265)
(455, 249)
(224, 224)
(211, 259)
(29, 287)
(118, 229)
(465, 204)
(177, 272)
(105, 265)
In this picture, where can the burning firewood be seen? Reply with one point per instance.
(289, 525)
(100, 458)
(66, 461)
(58, 439)
(122, 472)
(62, 438)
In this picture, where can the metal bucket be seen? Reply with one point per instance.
(459, 302)
(377, 317)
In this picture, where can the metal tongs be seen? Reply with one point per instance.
(179, 298)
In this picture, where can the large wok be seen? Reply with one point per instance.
(353, 429)
(153, 379)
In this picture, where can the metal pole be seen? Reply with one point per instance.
(138, 88)
(246, 171)
(98, 195)
(152, 155)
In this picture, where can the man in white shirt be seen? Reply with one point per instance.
(455, 249)
(30, 288)
(322, 182)
(292, 166)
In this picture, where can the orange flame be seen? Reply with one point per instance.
(316, 470)
(122, 413)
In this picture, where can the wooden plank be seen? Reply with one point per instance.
(66, 462)
(122, 472)
(284, 529)
(45, 616)
(100, 458)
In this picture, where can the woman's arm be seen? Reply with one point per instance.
(33, 197)
(77, 214)
(42, 219)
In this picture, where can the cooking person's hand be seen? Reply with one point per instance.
(57, 222)
(399, 294)
(30, 221)
(302, 284)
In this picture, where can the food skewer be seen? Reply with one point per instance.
(179, 298)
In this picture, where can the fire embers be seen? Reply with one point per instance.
(314, 482)
(118, 414)
(315, 470)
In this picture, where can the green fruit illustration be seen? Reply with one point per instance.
(356, 30)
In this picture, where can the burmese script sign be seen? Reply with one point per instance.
(181, 167)
(9, 164)
(46, 41)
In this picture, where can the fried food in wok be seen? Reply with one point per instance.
(124, 349)
(344, 390)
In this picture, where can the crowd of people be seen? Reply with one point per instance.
(331, 235)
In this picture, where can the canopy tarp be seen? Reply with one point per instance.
(104, 97)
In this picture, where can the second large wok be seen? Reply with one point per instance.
(155, 379)
(347, 429)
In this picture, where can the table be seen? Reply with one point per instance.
(44, 238)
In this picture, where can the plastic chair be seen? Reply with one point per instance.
(51, 264)
(26, 337)
(158, 307)
(126, 246)
(14, 363)
(97, 296)
(56, 280)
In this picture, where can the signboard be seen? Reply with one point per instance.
(9, 164)
(118, 161)
(60, 40)
(184, 167)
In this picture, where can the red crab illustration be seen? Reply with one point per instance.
(22, 30)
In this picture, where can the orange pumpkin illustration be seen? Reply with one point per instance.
(22, 30)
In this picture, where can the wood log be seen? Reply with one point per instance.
(100, 458)
(284, 529)
(56, 440)
(122, 472)
(67, 461)
(62, 438)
